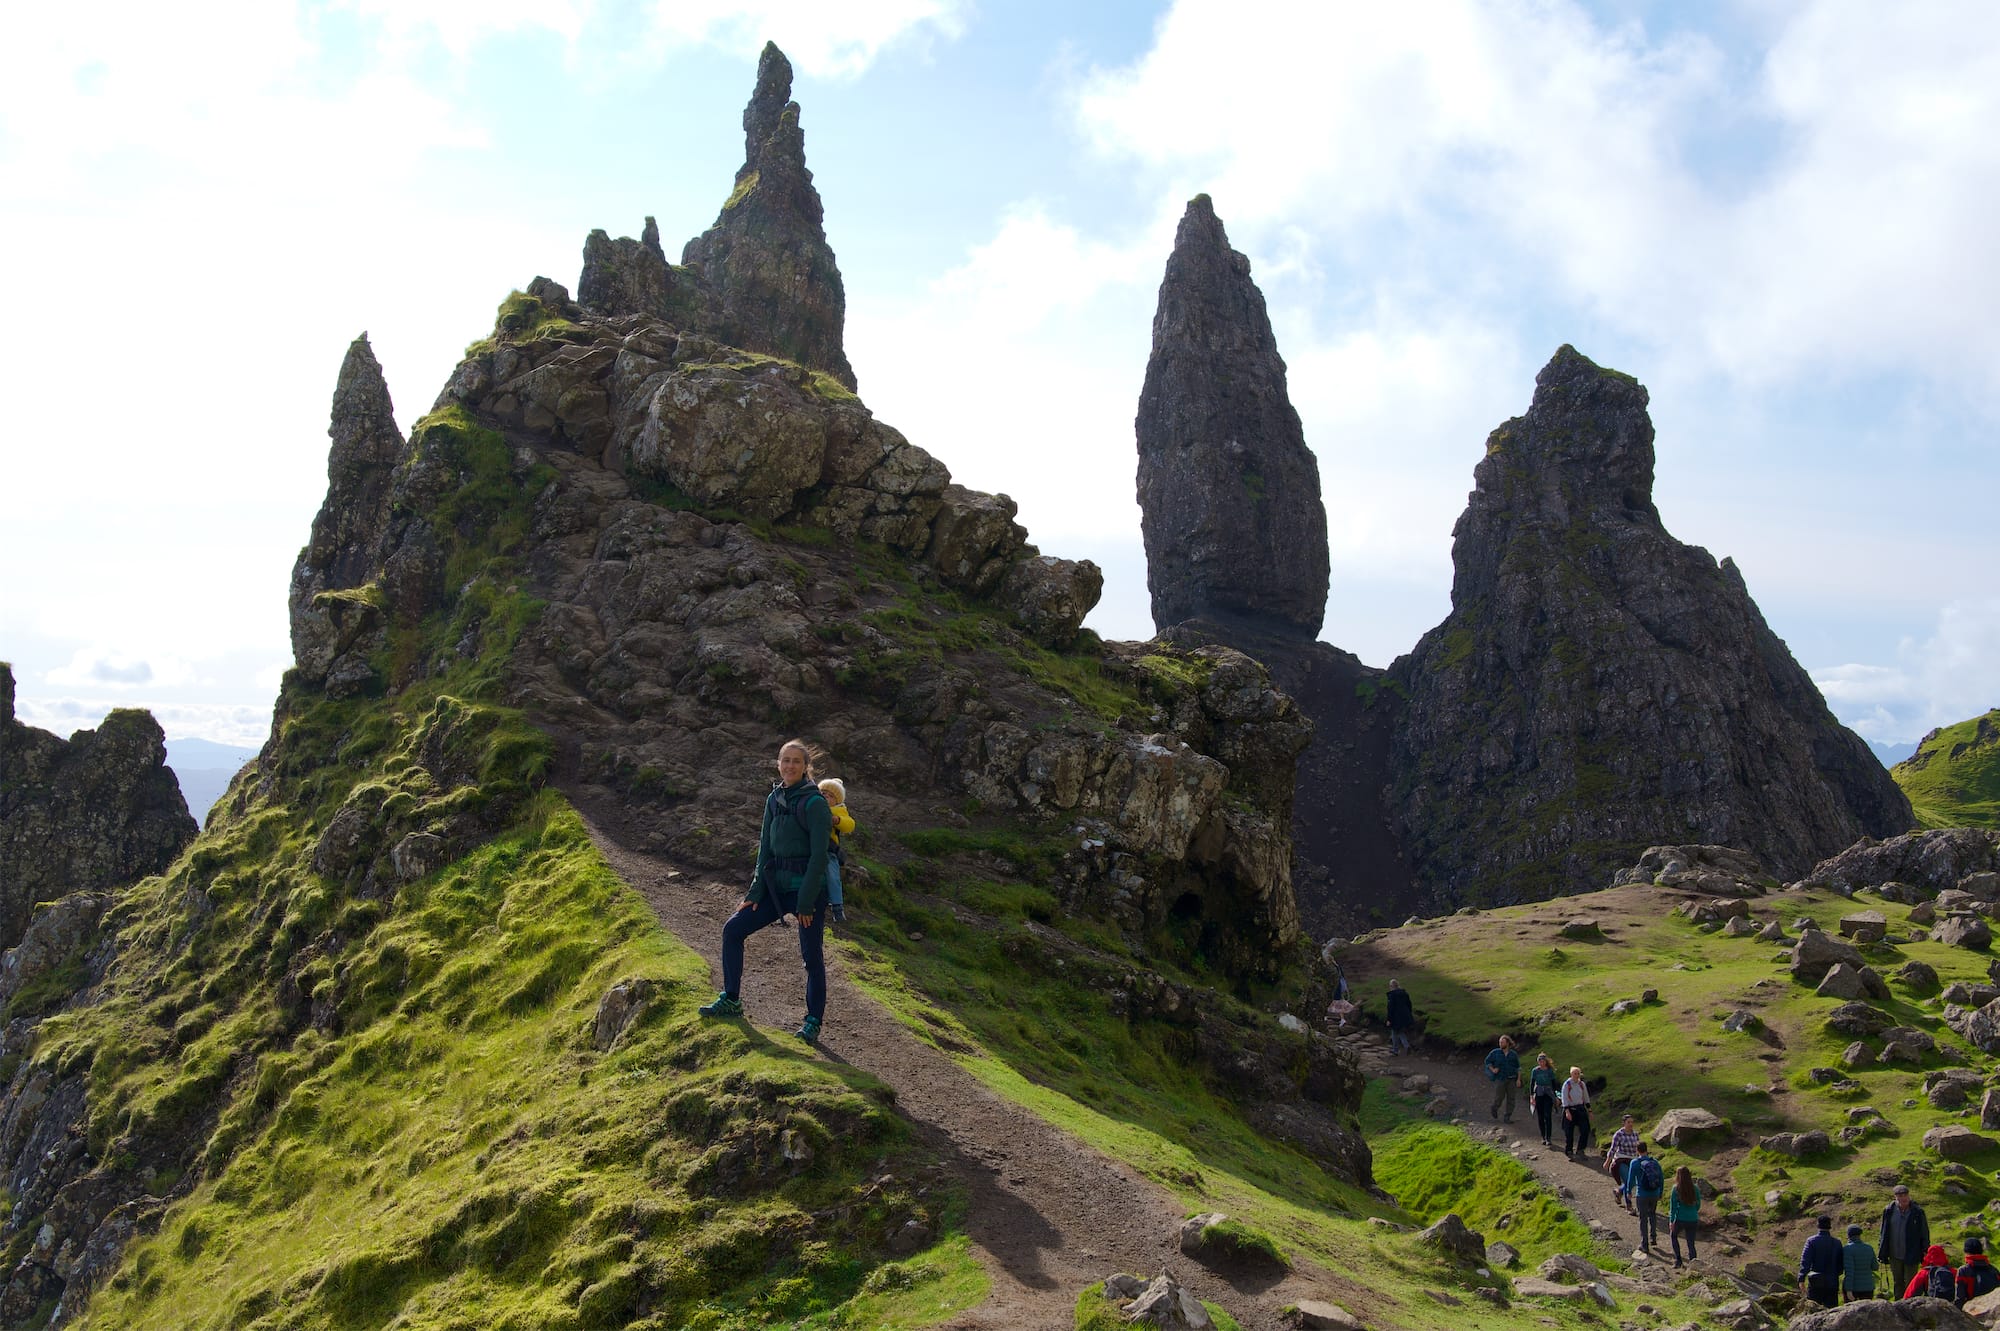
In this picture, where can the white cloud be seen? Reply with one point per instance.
(100, 667)
(823, 40)
(1519, 146)
(1947, 677)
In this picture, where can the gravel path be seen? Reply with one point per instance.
(1048, 1214)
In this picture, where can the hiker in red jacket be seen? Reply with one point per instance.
(1978, 1275)
(1936, 1278)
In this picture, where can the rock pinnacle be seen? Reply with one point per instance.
(1228, 491)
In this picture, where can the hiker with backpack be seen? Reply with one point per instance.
(789, 885)
(1821, 1266)
(835, 791)
(1937, 1278)
(1977, 1276)
(1645, 1180)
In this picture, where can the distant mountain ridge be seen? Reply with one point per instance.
(205, 768)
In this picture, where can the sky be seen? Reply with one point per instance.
(1779, 216)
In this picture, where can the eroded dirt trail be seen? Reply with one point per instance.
(1048, 1214)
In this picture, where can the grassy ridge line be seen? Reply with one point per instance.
(460, 1155)
(1953, 779)
(1506, 970)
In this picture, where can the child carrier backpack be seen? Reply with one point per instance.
(1941, 1283)
(1650, 1179)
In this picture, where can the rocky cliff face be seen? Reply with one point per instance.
(1228, 491)
(89, 812)
(762, 278)
(1599, 686)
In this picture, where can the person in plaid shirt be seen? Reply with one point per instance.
(1621, 1150)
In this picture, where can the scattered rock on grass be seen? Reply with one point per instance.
(1534, 1287)
(1797, 1144)
(1450, 1236)
(1318, 1315)
(1951, 1088)
(1918, 975)
(1815, 954)
(1858, 1019)
(1885, 1315)
(1989, 1111)
(1502, 1254)
(1739, 926)
(1581, 930)
(1681, 1127)
(1967, 931)
(1167, 1305)
(1742, 1019)
(1954, 1142)
(1568, 1266)
(1864, 926)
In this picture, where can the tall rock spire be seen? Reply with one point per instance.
(1228, 491)
(1599, 686)
(345, 549)
(765, 263)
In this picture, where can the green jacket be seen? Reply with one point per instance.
(792, 859)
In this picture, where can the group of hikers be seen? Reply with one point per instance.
(1833, 1272)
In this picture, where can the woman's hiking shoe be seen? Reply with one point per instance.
(809, 1030)
(723, 1006)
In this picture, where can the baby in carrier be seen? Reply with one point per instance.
(835, 792)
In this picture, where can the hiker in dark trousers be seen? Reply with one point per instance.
(789, 885)
(1402, 1018)
(1859, 1280)
(1575, 1097)
(1683, 1213)
(1542, 1089)
(1906, 1234)
(1977, 1276)
(1646, 1181)
(1503, 1069)
(1821, 1266)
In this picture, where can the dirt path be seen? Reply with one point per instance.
(1581, 1183)
(1047, 1214)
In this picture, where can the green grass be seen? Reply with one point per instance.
(1953, 779)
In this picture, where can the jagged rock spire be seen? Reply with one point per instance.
(347, 535)
(765, 262)
(1228, 491)
(1599, 686)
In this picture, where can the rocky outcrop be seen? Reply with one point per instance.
(1598, 683)
(1228, 491)
(92, 811)
(762, 278)
(1932, 862)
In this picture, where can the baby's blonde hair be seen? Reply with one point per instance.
(834, 789)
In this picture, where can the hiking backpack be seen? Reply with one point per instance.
(1982, 1277)
(1647, 1176)
(1942, 1283)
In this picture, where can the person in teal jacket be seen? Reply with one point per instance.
(1683, 1213)
(1859, 1264)
(789, 885)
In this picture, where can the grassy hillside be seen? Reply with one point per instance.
(1953, 779)
(1473, 976)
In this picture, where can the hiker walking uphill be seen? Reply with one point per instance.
(789, 885)
(1620, 1151)
(1402, 1018)
(1575, 1097)
(1906, 1234)
(1860, 1265)
(1821, 1266)
(1646, 1181)
(1503, 1069)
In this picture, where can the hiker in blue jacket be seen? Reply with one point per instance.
(1821, 1265)
(1646, 1180)
(789, 885)
(1503, 1069)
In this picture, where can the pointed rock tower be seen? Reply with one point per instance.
(345, 549)
(1599, 686)
(766, 261)
(1228, 491)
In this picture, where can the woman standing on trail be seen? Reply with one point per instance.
(1683, 1213)
(1575, 1098)
(789, 885)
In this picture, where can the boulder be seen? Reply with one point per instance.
(1534, 1287)
(1168, 1305)
(1711, 911)
(1742, 1019)
(1624, 1007)
(1681, 1128)
(1842, 981)
(1797, 1144)
(1319, 1315)
(1205, 1238)
(1963, 930)
(1567, 1266)
(1051, 596)
(1816, 953)
(1451, 1237)
(1501, 1255)
(1888, 1315)
(1739, 926)
(1581, 930)
(1952, 1088)
(1923, 913)
(1954, 1142)
(1989, 1111)
(1917, 975)
(1858, 1019)
(1913, 864)
(1864, 926)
